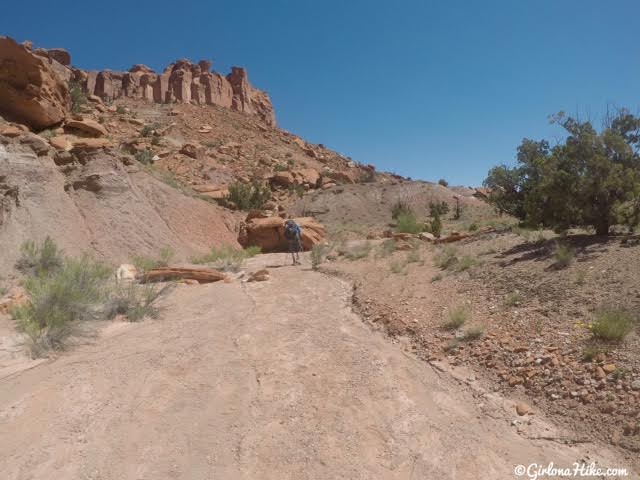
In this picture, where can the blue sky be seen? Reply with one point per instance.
(428, 89)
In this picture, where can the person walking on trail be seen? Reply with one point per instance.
(293, 233)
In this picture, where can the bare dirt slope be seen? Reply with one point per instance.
(259, 380)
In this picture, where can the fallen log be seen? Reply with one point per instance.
(202, 275)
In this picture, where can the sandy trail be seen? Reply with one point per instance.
(273, 380)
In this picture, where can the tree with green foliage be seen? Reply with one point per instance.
(590, 179)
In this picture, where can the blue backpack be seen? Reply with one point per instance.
(291, 230)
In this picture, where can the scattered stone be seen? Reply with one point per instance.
(259, 276)
(126, 272)
(609, 368)
(522, 408)
(87, 126)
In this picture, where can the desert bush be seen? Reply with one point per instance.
(368, 176)
(120, 110)
(473, 227)
(465, 263)
(443, 182)
(297, 190)
(386, 248)
(318, 254)
(563, 256)
(435, 226)
(134, 301)
(591, 351)
(447, 258)
(513, 300)
(145, 264)
(227, 258)
(144, 156)
(438, 208)
(39, 260)
(280, 167)
(357, 252)
(436, 278)
(473, 333)
(72, 293)
(413, 256)
(78, 97)
(398, 266)
(401, 207)
(148, 130)
(456, 317)
(408, 223)
(612, 324)
(249, 196)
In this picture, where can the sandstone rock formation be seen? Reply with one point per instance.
(183, 82)
(87, 200)
(268, 233)
(201, 275)
(32, 91)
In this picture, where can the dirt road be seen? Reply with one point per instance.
(272, 380)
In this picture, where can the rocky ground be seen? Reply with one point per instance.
(526, 329)
(272, 379)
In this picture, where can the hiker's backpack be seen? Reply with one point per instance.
(291, 231)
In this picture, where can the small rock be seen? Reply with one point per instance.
(522, 408)
(609, 368)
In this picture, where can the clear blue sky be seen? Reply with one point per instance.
(428, 89)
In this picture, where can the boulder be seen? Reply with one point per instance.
(31, 92)
(126, 272)
(268, 233)
(79, 144)
(192, 150)
(60, 55)
(88, 127)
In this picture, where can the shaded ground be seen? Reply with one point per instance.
(278, 380)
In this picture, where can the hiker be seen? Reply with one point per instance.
(292, 233)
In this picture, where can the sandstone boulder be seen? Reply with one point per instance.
(30, 90)
(259, 276)
(202, 275)
(88, 127)
(268, 233)
(60, 55)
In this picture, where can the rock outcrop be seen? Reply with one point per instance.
(268, 233)
(33, 90)
(183, 82)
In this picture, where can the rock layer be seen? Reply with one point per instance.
(183, 82)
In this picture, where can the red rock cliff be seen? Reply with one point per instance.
(182, 81)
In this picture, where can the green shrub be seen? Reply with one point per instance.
(386, 248)
(513, 300)
(398, 266)
(148, 130)
(408, 223)
(447, 258)
(120, 110)
(318, 254)
(227, 258)
(39, 260)
(144, 156)
(456, 317)
(280, 168)
(473, 333)
(591, 352)
(465, 263)
(401, 207)
(473, 227)
(134, 301)
(297, 190)
(413, 256)
(563, 256)
(145, 264)
(435, 226)
(443, 182)
(249, 196)
(436, 278)
(78, 97)
(612, 324)
(71, 293)
(438, 208)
